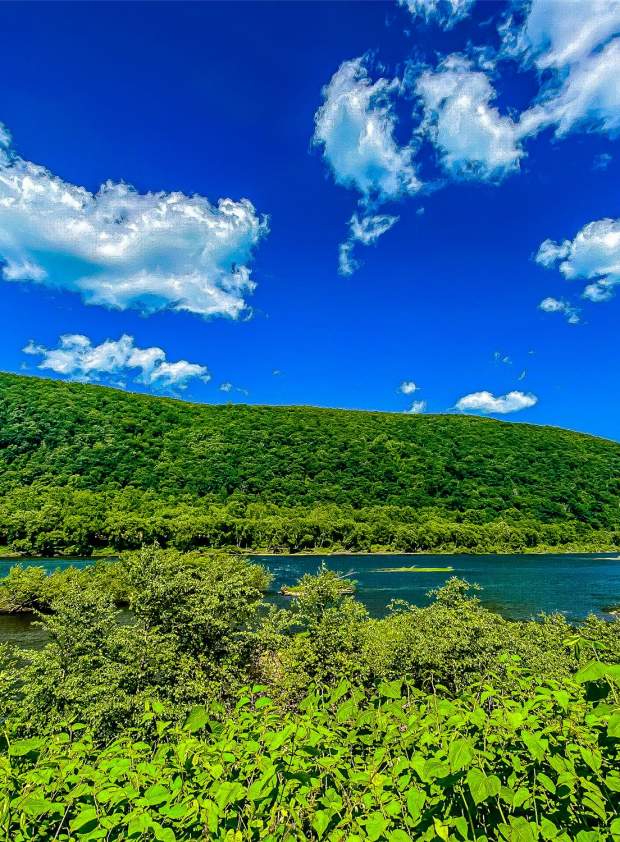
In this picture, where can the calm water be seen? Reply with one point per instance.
(518, 586)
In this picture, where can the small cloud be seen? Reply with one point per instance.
(602, 161)
(486, 402)
(416, 408)
(445, 12)
(228, 387)
(408, 387)
(555, 305)
(78, 359)
(500, 357)
(420, 211)
(522, 375)
(365, 230)
(276, 372)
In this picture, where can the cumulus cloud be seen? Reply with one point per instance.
(408, 387)
(445, 12)
(123, 249)
(416, 408)
(593, 255)
(557, 305)
(355, 128)
(473, 138)
(77, 358)
(365, 230)
(500, 405)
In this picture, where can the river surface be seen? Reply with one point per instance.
(516, 586)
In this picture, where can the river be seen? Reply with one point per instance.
(516, 586)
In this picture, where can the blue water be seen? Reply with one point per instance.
(516, 586)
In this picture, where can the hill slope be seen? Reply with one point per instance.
(56, 435)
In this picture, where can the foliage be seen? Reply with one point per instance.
(394, 765)
(85, 467)
(205, 714)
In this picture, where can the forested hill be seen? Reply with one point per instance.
(66, 435)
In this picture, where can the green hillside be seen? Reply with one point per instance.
(134, 467)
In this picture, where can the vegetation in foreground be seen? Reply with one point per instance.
(85, 468)
(213, 716)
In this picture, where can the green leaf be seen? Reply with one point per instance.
(23, 747)
(196, 719)
(320, 822)
(460, 755)
(398, 836)
(591, 672)
(537, 746)
(415, 803)
(84, 821)
(156, 794)
(477, 783)
(546, 781)
(391, 689)
(376, 824)
(613, 726)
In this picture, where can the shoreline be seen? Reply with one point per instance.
(605, 553)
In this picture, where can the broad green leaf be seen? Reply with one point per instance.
(84, 821)
(22, 747)
(460, 755)
(320, 822)
(196, 719)
(390, 689)
(477, 783)
(376, 825)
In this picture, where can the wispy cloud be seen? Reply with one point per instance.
(486, 402)
(408, 387)
(416, 408)
(123, 249)
(445, 12)
(560, 305)
(78, 359)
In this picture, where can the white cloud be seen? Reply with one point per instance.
(123, 249)
(593, 255)
(355, 126)
(500, 405)
(589, 98)
(365, 230)
(499, 357)
(77, 358)
(445, 12)
(416, 408)
(573, 43)
(562, 32)
(555, 305)
(474, 139)
(408, 387)
(226, 387)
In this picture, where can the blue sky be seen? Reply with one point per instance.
(460, 136)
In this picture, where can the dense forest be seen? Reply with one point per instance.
(207, 714)
(85, 467)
